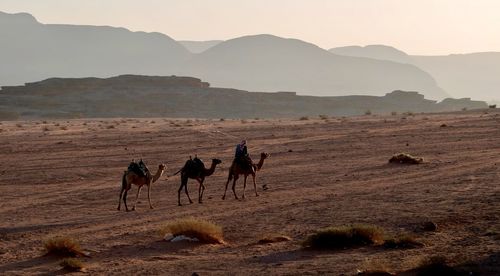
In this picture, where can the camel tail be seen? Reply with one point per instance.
(178, 172)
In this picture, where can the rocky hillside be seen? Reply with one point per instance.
(145, 96)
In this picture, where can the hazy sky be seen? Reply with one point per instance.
(414, 26)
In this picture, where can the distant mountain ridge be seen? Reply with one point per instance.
(462, 75)
(31, 51)
(197, 47)
(187, 97)
(380, 52)
(271, 63)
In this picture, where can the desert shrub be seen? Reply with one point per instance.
(464, 109)
(222, 119)
(46, 128)
(493, 106)
(256, 118)
(409, 113)
(394, 113)
(64, 128)
(435, 265)
(19, 125)
(243, 121)
(344, 236)
(304, 118)
(62, 246)
(110, 126)
(274, 238)
(203, 230)
(405, 158)
(368, 112)
(323, 117)
(71, 264)
(402, 241)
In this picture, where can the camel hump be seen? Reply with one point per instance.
(138, 168)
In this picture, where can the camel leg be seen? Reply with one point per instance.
(244, 186)
(234, 189)
(201, 190)
(120, 200)
(227, 184)
(149, 196)
(125, 198)
(179, 195)
(137, 197)
(187, 193)
(254, 185)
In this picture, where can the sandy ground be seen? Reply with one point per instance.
(63, 177)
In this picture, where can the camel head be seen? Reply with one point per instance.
(216, 161)
(264, 155)
(162, 167)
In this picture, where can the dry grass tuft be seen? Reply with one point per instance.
(273, 239)
(345, 236)
(405, 158)
(435, 265)
(304, 118)
(63, 246)
(368, 112)
(203, 230)
(404, 241)
(72, 264)
(323, 117)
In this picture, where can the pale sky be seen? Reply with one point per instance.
(429, 27)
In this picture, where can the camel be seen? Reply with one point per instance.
(130, 177)
(236, 170)
(195, 169)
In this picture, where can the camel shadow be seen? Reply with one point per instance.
(17, 266)
(287, 256)
(152, 249)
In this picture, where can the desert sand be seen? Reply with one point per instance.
(62, 177)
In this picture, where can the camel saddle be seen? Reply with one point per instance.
(138, 168)
(194, 166)
(245, 162)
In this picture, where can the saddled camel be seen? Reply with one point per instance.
(130, 177)
(236, 170)
(195, 169)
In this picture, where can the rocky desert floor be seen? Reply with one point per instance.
(63, 177)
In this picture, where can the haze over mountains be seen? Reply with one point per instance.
(32, 51)
(35, 51)
(465, 75)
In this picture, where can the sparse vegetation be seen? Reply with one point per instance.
(394, 113)
(46, 128)
(222, 119)
(110, 127)
(493, 106)
(63, 246)
(402, 241)
(203, 230)
(435, 265)
(345, 236)
(368, 112)
(243, 121)
(304, 118)
(323, 117)
(19, 125)
(409, 113)
(64, 128)
(72, 264)
(405, 158)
